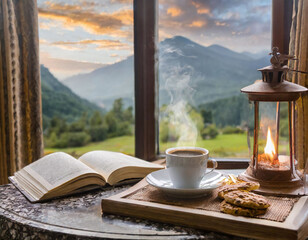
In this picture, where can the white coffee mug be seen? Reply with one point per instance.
(187, 166)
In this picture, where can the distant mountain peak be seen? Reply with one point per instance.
(181, 38)
(226, 52)
(257, 55)
(216, 46)
(220, 48)
(178, 40)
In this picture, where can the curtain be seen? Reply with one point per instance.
(299, 47)
(21, 139)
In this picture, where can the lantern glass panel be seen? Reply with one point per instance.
(272, 153)
(273, 134)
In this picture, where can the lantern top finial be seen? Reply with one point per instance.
(278, 59)
(273, 87)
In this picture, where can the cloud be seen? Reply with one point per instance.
(122, 1)
(220, 23)
(101, 43)
(63, 68)
(235, 24)
(88, 4)
(63, 7)
(174, 11)
(47, 24)
(117, 23)
(164, 34)
(43, 41)
(201, 9)
(68, 47)
(114, 55)
(197, 24)
(44, 25)
(202, 21)
(231, 16)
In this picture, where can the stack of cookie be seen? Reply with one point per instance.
(239, 201)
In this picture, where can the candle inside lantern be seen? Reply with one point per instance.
(269, 149)
(272, 166)
(270, 159)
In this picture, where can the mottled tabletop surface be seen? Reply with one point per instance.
(80, 217)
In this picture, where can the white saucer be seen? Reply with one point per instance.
(161, 180)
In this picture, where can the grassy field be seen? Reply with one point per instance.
(229, 145)
(125, 144)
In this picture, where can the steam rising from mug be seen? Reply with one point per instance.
(176, 115)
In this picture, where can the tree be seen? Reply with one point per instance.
(78, 126)
(210, 132)
(196, 118)
(207, 116)
(112, 124)
(119, 121)
(128, 115)
(96, 119)
(74, 139)
(117, 109)
(57, 125)
(167, 132)
(52, 140)
(232, 111)
(98, 133)
(232, 130)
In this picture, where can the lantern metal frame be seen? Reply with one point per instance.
(274, 88)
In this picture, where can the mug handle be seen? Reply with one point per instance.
(215, 165)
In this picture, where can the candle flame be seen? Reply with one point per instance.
(269, 147)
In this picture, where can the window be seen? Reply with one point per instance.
(87, 75)
(145, 25)
(208, 51)
(145, 34)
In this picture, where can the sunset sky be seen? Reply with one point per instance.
(79, 36)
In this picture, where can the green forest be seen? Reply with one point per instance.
(222, 126)
(95, 127)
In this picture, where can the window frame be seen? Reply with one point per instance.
(146, 78)
(146, 73)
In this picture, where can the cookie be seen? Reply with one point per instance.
(240, 211)
(226, 189)
(245, 186)
(246, 199)
(248, 186)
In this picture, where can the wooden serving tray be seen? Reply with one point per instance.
(294, 227)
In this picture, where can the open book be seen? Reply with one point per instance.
(60, 174)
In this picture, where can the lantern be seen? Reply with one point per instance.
(273, 163)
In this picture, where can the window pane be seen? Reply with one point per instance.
(209, 50)
(86, 52)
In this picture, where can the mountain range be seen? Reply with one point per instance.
(59, 100)
(197, 73)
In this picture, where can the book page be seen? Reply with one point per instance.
(56, 168)
(105, 162)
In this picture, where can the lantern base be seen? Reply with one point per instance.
(292, 187)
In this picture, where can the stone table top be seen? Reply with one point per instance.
(80, 217)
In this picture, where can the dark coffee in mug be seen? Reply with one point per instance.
(186, 152)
